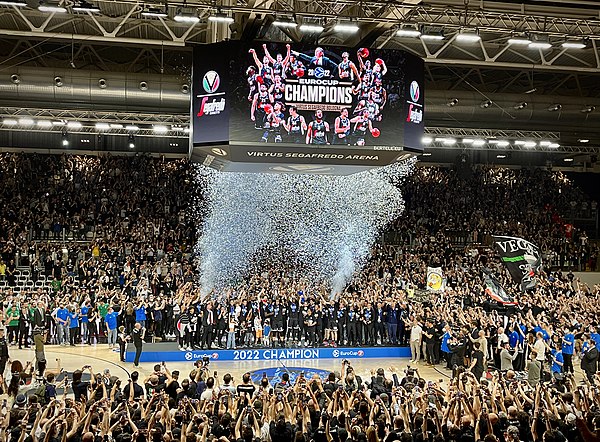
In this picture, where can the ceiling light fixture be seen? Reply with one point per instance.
(519, 41)
(346, 28)
(13, 3)
(284, 23)
(10, 122)
(44, 123)
(432, 37)
(583, 140)
(102, 126)
(132, 127)
(51, 6)
(588, 109)
(74, 125)
(154, 12)
(26, 122)
(574, 44)
(500, 156)
(568, 160)
(161, 129)
(408, 32)
(84, 6)
(468, 37)
(426, 140)
(307, 27)
(485, 104)
(185, 17)
(540, 44)
(478, 142)
(554, 107)
(220, 17)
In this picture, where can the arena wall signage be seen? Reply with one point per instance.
(258, 103)
(270, 354)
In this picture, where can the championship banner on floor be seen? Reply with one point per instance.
(495, 290)
(168, 351)
(435, 280)
(522, 259)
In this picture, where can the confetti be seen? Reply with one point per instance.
(320, 226)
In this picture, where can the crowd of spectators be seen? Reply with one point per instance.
(113, 237)
(344, 406)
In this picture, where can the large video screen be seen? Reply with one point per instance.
(294, 94)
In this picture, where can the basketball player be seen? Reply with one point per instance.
(273, 122)
(295, 68)
(373, 109)
(347, 69)
(317, 130)
(265, 70)
(252, 82)
(277, 89)
(279, 63)
(362, 123)
(342, 128)
(378, 94)
(296, 128)
(260, 100)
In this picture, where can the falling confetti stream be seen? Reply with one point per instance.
(328, 223)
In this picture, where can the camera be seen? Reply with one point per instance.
(205, 360)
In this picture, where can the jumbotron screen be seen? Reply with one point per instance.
(294, 96)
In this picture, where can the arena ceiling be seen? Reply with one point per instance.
(132, 42)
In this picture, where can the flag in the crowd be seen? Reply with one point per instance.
(435, 281)
(495, 290)
(522, 259)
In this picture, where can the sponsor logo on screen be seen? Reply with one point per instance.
(213, 107)
(415, 91)
(211, 82)
(415, 114)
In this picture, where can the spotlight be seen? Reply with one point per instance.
(65, 139)
(588, 109)
(453, 102)
(426, 140)
(521, 105)
(583, 140)
(15, 78)
(161, 129)
(26, 122)
(143, 86)
(540, 44)
(554, 107)
(131, 141)
(500, 156)
(185, 89)
(58, 81)
(485, 104)
(44, 123)
(102, 83)
(10, 122)
(568, 160)
(132, 128)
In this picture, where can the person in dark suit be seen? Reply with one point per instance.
(138, 341)
(4, 356)
(208, 325)
(589, 360)
(39, 334)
